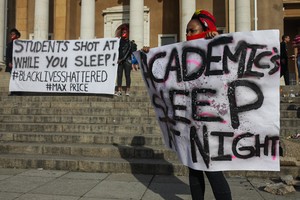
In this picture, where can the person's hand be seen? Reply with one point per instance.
(211, 34)
(145, 49)
(10, 65)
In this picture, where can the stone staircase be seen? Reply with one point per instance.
(98, 133)
(290, 123)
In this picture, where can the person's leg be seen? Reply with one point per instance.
(127, 68)
(281, 69)
(119, 79)
(197, 184)
(219, 185)
(286, 75)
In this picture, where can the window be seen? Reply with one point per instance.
(164, 39)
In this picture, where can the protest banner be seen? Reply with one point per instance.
(217, 100)
(65, 66)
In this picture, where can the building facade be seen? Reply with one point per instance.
(151, 22)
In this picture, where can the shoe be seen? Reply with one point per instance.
(127, 93)
(118, 93)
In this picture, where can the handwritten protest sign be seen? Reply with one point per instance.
(217, 101)
(67, 66)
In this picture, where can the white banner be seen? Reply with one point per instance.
(65, 66)
(217, 101)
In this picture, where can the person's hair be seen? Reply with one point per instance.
(124, 29)
(14, 30)
(283, 37)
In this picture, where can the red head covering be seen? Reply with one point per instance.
(207, 20)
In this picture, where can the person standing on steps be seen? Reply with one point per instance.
(124, 62)
(14, 35)
(284, 70)
(203, 25)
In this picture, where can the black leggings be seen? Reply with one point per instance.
(124, 66)
(217, 181)
(284, 71)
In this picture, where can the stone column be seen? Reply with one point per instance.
(60, 19)
(188, 7)
(41, 20)
(2, 29)
(23, 10)
(231, 16)
(242, 15)
(136, 22)
(87, 23)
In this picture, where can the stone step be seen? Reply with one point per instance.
(103, 117)
(284, 170)
(92, 164)
(145, 112)
(103, 128)
(75, 104)
(138, 91)
(142, 97)
(285, 106)
(78, 138)
(87, 119)
(82, 102)
(288, 122)
(134, 93)
(288, 114)
(56, 98)
(84, 98)
(80, 128)
(288, 88)
(290, 99)
(4, 75)
(289, 131)
(79, 103)
(121, 165)
(104, 151)
(134, 90)
(102, 97)
(109, 120)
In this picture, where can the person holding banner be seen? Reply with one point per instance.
(14, 34)
(125, 52)
(202, 25)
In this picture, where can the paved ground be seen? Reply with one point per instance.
(31, 184)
